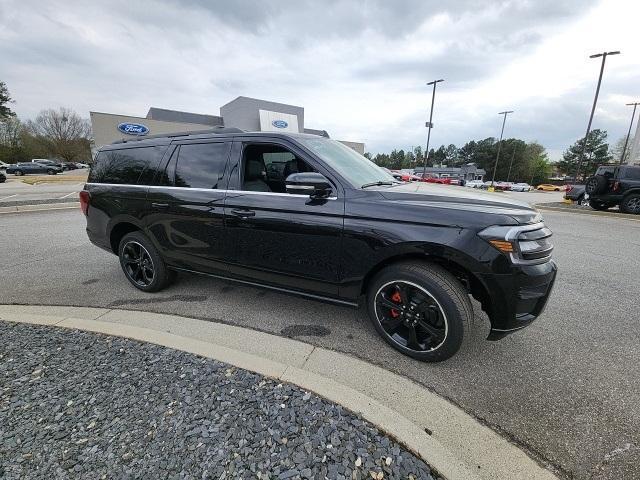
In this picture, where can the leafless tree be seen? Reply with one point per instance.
(63, 133)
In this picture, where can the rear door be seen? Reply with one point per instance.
(278, 238)
(185, 217)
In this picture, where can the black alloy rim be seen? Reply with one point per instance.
(410, 316)
(137, 264)
(634, 205)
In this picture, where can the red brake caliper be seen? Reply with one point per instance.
(398, 299)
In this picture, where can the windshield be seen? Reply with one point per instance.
(355, 168)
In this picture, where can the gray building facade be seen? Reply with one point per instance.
(250, 114)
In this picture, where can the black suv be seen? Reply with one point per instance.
(615, 185)
(308, 215)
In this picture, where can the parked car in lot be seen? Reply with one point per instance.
(3, 177)
(27, 168)
(615, 185)
(548, 187)
(333, 226)
(521, 187)
(575, 193)
(69, 166)
(50, 163)
(3, 166)
(440, 180)
(474, 184)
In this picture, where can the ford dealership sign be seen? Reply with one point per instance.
(133, 128)
(279, 124)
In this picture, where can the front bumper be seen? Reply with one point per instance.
(518, 298)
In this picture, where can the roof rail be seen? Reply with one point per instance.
(216, 130)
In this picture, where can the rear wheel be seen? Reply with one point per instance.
(420, 309)
(598, 205)
(51, 172)
(631, 204)
(18, 173)
(142, 264)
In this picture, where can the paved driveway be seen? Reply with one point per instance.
(566, 388)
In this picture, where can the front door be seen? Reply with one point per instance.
(186, 204)
(277, 238)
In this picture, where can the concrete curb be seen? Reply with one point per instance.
(553, 208)
(39, 207)
(456, 445)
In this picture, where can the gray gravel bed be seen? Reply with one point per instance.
(82, 405)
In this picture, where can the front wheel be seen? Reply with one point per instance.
(142, 264)
(419, 309)
(631, 204)
(18, 173)
(51, 172)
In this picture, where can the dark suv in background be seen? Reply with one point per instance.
(615, 185)
(308, 215)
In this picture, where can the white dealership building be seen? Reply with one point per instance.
(246, 113)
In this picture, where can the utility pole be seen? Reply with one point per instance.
(593, 108)
(495, 167)
(513, 155)
(624, 150)
(430, 124)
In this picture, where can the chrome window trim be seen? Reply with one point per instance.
(244, 192)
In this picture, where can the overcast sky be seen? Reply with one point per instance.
(358, 68)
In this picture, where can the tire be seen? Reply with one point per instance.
(137, 272)
(598, 205)
(580, 200)
(596, 185)
(51, 172)
(438, 299)
(556, 189)
(540, 188)
(631, 204)
(18, 173)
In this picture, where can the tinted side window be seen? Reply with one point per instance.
(201, 165)
(632, 173)
(126, 165)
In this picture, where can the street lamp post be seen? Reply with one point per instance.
(495, 167)
(593, 108)
(624, 150)
(430, 124)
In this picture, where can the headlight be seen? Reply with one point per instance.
(525, 244)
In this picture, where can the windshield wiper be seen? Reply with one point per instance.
(377, 184)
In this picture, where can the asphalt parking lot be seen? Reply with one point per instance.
(14, 190)
(566, 388)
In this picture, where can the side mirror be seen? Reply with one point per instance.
(313, 184)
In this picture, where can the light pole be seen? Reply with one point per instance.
(513, 155)
(430, 124)
(593, 108)
(624, 150)
(495, 167)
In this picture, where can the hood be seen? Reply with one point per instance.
(461, 198)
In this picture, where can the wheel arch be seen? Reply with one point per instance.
(469, 280)
(118, 231)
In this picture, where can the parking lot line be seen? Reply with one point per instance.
(67, 195)
(4, 198)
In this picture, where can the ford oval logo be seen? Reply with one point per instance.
(133, 128)
(279, 124)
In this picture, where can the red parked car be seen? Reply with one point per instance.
(443, 181)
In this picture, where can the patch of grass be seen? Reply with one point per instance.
(38, 179)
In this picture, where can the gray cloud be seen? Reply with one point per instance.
(359, 68)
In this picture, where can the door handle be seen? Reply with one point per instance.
(243, 213)
(159, 206)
